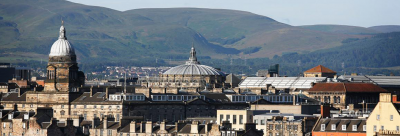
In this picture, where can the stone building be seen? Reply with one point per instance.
(340, 127)
(320, 71)
(191, 76)
(385, 118)
(341, 95)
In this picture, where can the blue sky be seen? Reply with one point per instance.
(363, 13)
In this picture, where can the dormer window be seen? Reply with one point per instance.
(10, 116)
(343, 127)
(333, 127)
(354, 127)
(322, 127)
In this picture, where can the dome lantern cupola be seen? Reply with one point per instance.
(62, 47)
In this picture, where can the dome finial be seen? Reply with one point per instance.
(62, 31)
(192, 58)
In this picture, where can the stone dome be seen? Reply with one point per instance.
(62, 47)
(193, 67)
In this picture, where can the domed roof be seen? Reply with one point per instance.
(193, 67)
(62, 47)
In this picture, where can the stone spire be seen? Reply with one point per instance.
(192, 58)
(62, 31)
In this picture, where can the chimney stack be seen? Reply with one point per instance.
(194, 128)
(132, 127)
(149, 127)
(91, 91)
(325, 111)
(106, 93)
(162, 125)
(105, 122)
(394, 99)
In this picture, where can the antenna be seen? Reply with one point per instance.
(125, 83)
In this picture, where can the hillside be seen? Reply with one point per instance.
(386, 28)
(369, 56)
(342, 29)
(29, 28)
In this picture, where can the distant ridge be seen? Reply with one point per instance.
(386, 28)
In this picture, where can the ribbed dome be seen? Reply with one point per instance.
(192, 69)
(62, 47)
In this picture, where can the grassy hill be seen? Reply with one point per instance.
(342, 29)
(28, 28)
(386, 28)
(376, 55)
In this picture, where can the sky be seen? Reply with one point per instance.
(364, 13)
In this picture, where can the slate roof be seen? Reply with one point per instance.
(186, 129)
(349, 122)
(217, 98)
(319, 69)
(347, 87)
(13, 97)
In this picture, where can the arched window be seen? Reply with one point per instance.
(334, 99)
(62, 112)
(338, 99)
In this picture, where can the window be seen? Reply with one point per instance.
(84, 106)
(256, 121)
(240, 119)
(354, 127)
(277, 127)
(364, 127)
(109, 132)
(117, 117)
(270, 127)
(333, 127)
(382, 127)
(23, 125)
(397, 128)
(262, 122)
(75, 106)
(322, 127)
(377, 117)
(4, 125)
(94, 106)
(228, 117)
(391, 117)
(343, 127)
(234, 119)
(62, 106)
(23, 105)
(374, 128)
(102, 107)
(84, 116)
(101, 132)
(221, 117)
